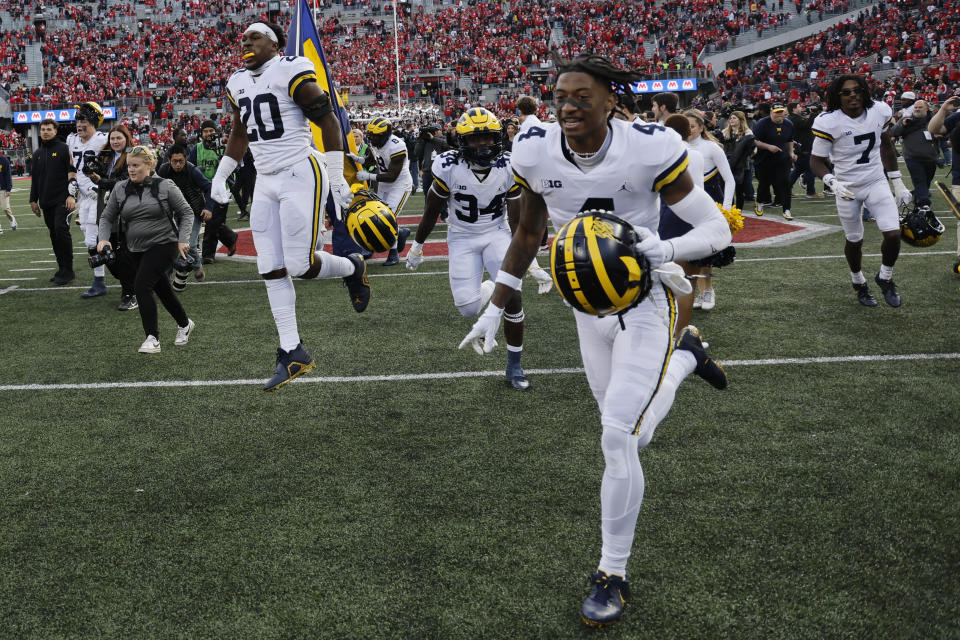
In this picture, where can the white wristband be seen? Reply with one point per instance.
(893, 175)
(334, 161)
(510, 280)
(416, 248)
(225, 168)
(493, 311)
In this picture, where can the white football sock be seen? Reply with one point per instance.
(283, 304)
(857, 278)
(332, 266)
(886, 273)
(621, 493)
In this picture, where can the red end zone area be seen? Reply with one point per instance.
(755, 229)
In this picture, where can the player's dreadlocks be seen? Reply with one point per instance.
(833, 91)
(603, 70)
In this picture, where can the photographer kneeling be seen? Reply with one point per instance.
(147, 207)
(109, 168)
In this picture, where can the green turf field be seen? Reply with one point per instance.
(384, 497)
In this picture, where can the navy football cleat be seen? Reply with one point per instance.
(290, 364)
(707, 367)
(864, 296)
(518, 381)
(604, 605)
(357, 283)
(889, 289)
(402, 236)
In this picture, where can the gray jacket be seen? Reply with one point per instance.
(918, 144)
(147, 223)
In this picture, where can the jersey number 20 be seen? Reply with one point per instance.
(261, 132)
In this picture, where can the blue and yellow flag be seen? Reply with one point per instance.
(303, 40)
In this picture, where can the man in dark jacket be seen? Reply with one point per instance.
(206, 156)
(802, 144)
(6, 186)
(774, 140)
(196, 190)
(52, 172)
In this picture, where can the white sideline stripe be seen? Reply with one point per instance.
(32, 269)
(866, 255)
(407, 377)
(257, 280)
(15, 279)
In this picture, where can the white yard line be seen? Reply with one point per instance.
(409, 377)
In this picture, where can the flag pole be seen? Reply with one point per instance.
(396, 53)
(299, 17)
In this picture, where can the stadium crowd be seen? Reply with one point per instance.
(167, 63)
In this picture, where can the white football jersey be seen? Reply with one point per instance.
(853, 144)
(641, 160)
(278, 131)
(477, 205)
(395, 147)
(81, 152)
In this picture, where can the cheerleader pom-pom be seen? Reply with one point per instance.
(733, 216)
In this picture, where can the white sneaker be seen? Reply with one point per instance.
(786, 214)
(183, 333)
(709, 300)
(698, 300)
(150, 345)
(13, 224)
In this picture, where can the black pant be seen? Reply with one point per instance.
(151, 277)
(802, 168)
(243, 189)
(56, 220)
(122, 269)
(217, 231)
(776, 174)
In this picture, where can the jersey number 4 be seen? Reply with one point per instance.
(261, 131)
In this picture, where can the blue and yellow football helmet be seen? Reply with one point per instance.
(480, 122)
(595, 266)
(89, 111)
(379, 131)
(371, 222)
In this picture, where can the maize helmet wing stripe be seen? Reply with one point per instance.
(477, 120)
(378, 125)
(566, 277)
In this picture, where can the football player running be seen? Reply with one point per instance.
(85, 145)
(853, 134)
(476, 183)
(274, 100)
(394, 182)
(588, 161)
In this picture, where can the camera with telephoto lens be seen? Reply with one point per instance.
(181, 270)
(105, 257)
